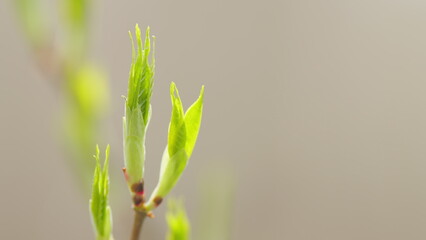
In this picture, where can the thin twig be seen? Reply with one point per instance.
(137, 224)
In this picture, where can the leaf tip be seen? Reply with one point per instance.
(202, 92)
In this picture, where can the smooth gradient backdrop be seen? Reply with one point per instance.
(316, 107)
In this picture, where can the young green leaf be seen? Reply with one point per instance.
(76, 13)
(137, 113)
(177, 132)
(183, 132)
(141, 76)
(179, 227)
(192, 123)
(99, 207)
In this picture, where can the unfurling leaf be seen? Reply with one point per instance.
(99, 207)
(137, 111)
(183, 133)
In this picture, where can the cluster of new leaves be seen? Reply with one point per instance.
(141, 75)
(183, 128)
(183, 133)
(99, 207)
(137, 107)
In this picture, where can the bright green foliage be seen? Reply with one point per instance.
(177, 132)
(184, 127)
(138, 107)
(193, 122)
(141, 76)
(179, 227)
(99, 208)
(183, 132)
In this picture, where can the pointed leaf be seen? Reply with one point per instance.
(192, 122)
(99, 209)
(177, 132)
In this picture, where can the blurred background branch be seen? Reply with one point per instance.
(82, 84)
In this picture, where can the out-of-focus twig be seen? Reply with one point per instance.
(83, 85)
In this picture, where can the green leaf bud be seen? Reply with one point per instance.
(183, 133)
(99, 208)
(137, 112)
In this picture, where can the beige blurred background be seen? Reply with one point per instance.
(318, 107)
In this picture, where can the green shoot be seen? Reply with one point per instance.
(141, 76)
(138, 113)
(99, 207)
(183, 133)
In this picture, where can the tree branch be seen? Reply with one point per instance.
(137, 224)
